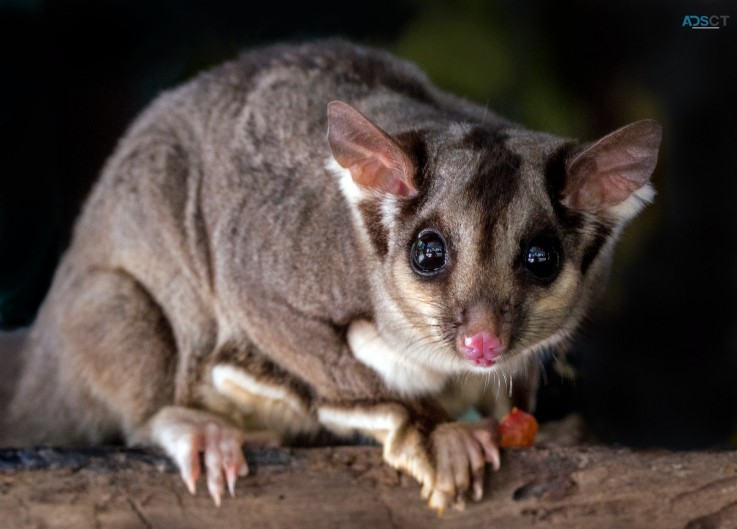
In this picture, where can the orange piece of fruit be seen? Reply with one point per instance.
(518, 429)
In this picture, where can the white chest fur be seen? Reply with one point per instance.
(396, 369)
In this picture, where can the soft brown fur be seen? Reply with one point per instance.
(217, 235)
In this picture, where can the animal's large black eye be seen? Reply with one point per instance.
(542, 258)
(428, 254)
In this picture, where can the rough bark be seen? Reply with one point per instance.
(583, 487)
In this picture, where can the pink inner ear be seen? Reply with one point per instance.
(608, 172)
(598, 187)
(378, 175)
(376, 161)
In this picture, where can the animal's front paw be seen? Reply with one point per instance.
(460, 452)
(186, 433)
(449, 463)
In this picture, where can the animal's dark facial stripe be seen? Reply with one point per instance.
(415, 147)
(593, 248)
(480, 138)
(371, 212)
(496, 181)
(555, 181)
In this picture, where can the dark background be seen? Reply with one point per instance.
(657, 363)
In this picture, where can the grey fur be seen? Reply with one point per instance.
(216, 226)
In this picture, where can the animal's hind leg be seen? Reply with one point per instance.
(99, 361)
(117, 346)
(121, 338)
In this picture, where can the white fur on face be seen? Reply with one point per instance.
(352, 192)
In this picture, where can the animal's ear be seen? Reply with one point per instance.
(608, 172)
(375, 160)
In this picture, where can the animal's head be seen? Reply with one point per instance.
(486, 242)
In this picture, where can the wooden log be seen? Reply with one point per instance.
(552, 487)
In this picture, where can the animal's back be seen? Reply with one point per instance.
(246, 135)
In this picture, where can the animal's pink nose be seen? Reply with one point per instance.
(482, 348)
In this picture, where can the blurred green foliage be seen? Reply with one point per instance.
(478, 50)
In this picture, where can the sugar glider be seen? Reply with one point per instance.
(314, 237)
